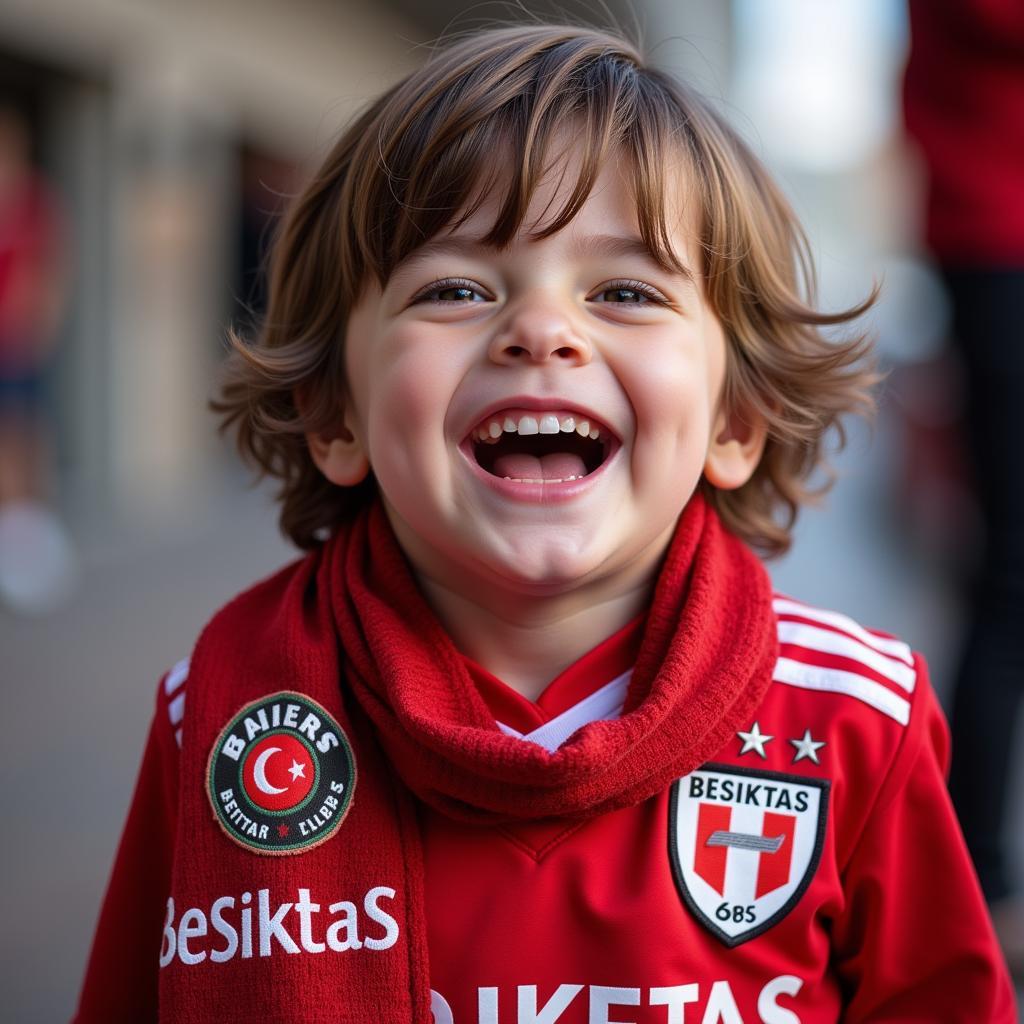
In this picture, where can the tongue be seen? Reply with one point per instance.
(556, 466)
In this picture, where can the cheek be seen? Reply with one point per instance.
(674, 405)
(411, 382)
(674, 389)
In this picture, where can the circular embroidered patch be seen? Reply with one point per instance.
(281, 775)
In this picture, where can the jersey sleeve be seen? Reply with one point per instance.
(914, 942)
(120, 983)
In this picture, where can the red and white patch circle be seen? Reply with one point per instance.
(278, 772)
(281, 774)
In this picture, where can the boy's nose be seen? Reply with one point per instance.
(538, 334)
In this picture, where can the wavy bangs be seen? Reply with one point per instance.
(495, 122)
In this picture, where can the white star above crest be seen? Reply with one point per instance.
(807, 747)
(754, 740)
(297, 770)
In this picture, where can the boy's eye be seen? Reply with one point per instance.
(628, 293)
(452, 290)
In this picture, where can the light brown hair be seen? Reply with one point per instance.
(420, 159)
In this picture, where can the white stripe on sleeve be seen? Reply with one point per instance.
(176, 676)
(886, 645)
(831, 642)
(814, 677)
(176, 709)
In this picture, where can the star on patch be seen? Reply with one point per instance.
(298, 771)
(754, 740)
(283, 830)
(807, 747)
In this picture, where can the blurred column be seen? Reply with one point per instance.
(78, 136)
(820, 83)
(173, 205)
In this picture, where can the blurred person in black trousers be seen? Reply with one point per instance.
(964, 103)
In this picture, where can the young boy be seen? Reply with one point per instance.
(526, 736)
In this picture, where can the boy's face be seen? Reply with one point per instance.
(533, 344)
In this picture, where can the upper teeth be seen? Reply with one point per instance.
(490, 430)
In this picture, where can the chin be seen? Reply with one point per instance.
(545, 564)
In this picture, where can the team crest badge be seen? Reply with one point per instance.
(281, 775)
(744, 845)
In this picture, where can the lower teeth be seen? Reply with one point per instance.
(526, 480)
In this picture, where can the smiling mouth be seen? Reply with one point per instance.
(540, 447)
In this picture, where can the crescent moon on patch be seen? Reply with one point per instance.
(259, 772)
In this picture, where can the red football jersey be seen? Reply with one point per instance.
(812, 872)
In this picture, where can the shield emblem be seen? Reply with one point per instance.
(744, 845)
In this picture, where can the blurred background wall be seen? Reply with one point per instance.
(166, 138)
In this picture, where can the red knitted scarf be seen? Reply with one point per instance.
(419, 729)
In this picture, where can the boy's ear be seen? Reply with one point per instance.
(737, 442)
(339, 454)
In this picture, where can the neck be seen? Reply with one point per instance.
(528, 643)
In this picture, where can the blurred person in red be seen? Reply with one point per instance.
(35, 554)
(964, 103)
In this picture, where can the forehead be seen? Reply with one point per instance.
(607, 221)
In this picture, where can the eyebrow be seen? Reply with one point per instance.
(601, 245)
